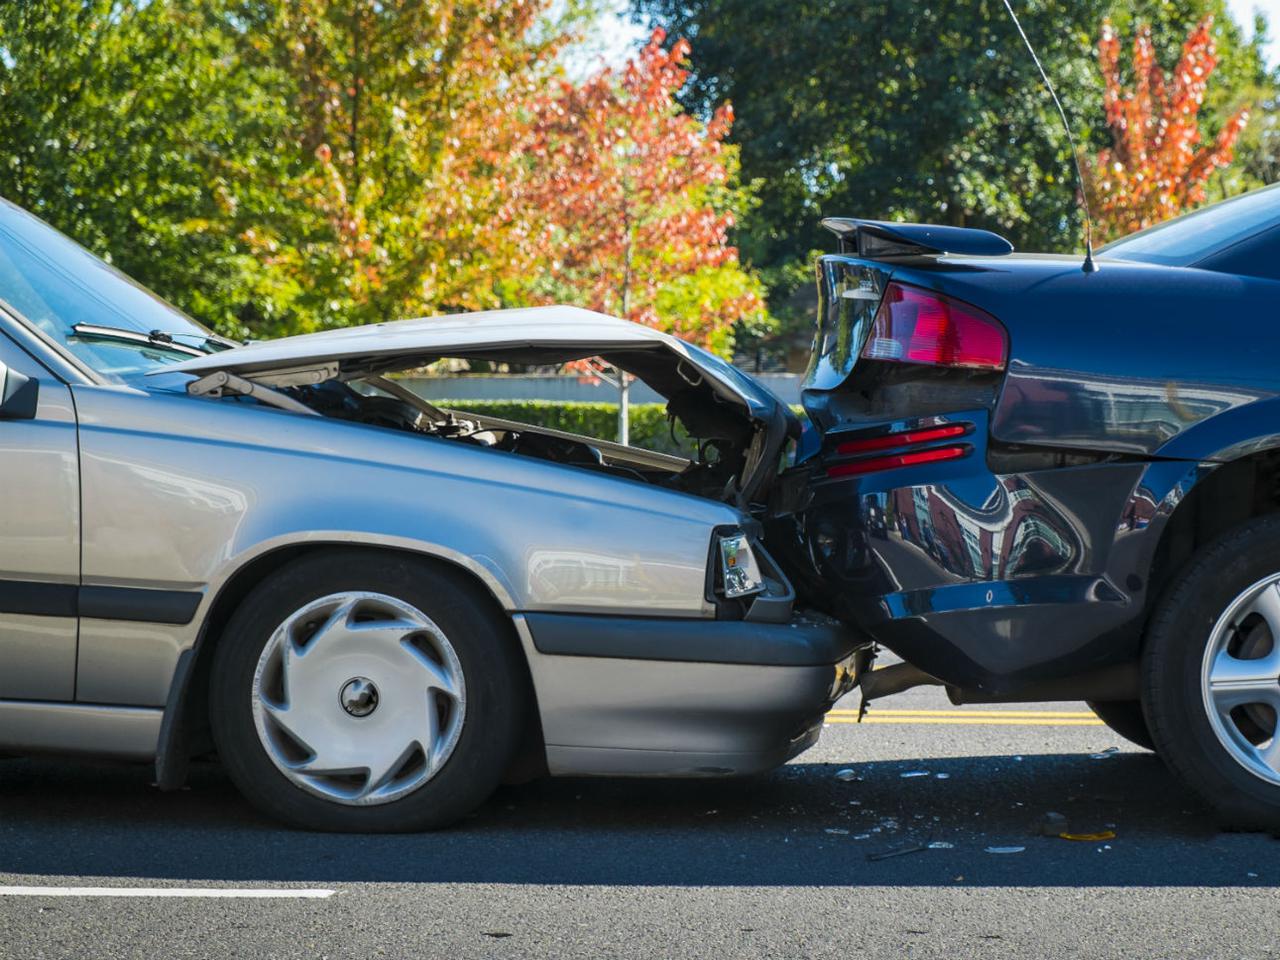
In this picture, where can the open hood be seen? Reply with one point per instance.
(529, 335)
(706, 394)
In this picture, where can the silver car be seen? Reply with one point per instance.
(373, 609)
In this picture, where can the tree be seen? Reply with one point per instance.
(1157, 166)
(623, 203)
(397, 123)
(274, 166)
(125, 123)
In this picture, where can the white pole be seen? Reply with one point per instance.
(624, 412)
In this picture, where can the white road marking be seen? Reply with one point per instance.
(264, 893)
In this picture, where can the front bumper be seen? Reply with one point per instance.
(622, 696)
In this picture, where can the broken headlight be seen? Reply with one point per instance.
(739, 571)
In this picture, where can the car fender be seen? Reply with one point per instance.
(1235, 433)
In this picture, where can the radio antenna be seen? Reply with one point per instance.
(1089, 266)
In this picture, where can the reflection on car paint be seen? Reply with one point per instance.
(1066, 408)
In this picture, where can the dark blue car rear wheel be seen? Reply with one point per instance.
(1211, 675)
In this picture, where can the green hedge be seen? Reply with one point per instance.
(649, 426)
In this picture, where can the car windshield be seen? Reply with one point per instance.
(111, 324)
(1188, 239)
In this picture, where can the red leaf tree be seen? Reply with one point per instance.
(623, 203)
(1156, 167)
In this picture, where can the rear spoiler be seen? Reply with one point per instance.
(879, 238)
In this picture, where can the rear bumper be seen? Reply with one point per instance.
(991, 582)
(682, 698)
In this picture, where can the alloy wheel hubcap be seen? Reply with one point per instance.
(1240, 679)
(399, 708)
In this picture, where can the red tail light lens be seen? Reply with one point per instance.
(876, 464)
(887, 441)
(919, 326)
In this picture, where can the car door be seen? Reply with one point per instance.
(39, 540)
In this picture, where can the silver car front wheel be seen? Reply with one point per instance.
(356, 690)
(359, 698)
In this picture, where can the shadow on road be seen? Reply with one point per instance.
(797, 827)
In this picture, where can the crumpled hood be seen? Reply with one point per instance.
(555, 334)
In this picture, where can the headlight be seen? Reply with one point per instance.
(739, 572)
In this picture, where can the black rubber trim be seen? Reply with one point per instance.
(132, 603)
(101, 603)
(38, 599)
(799, 643)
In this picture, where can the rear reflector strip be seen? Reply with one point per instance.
(877, 464)
(904, 438)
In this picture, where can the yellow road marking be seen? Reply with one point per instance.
(969, 721)
(1006, 714)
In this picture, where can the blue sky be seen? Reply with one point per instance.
(1243, 11)
(619, 36)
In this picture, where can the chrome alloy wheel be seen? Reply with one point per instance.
(358, 698)
(1240, 679)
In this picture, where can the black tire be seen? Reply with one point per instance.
(1176, 642)
(496, 690)
(1125, 718)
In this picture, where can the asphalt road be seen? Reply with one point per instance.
(771, 867)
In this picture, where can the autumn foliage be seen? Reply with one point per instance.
(1157, 166)
(623, 202)
(398, 112)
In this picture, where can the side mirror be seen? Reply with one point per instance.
(19, 395)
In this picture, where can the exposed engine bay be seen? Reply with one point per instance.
(723, 445)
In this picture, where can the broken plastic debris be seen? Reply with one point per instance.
(1005, 849)
(846, 774)
(1104, 754)
(941, 845)
(914, 773)
(898, 851)
(1089, 837)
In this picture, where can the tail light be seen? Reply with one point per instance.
(914, 325)
(889, 451)
(876, 464)
(904, 438)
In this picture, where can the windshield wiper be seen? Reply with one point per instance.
(156, 338)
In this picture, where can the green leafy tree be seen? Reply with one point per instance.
(274, 166)
(398, 114)
(128, 124)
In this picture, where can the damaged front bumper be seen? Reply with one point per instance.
(630, 696)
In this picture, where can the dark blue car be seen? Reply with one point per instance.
(1036, 481)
